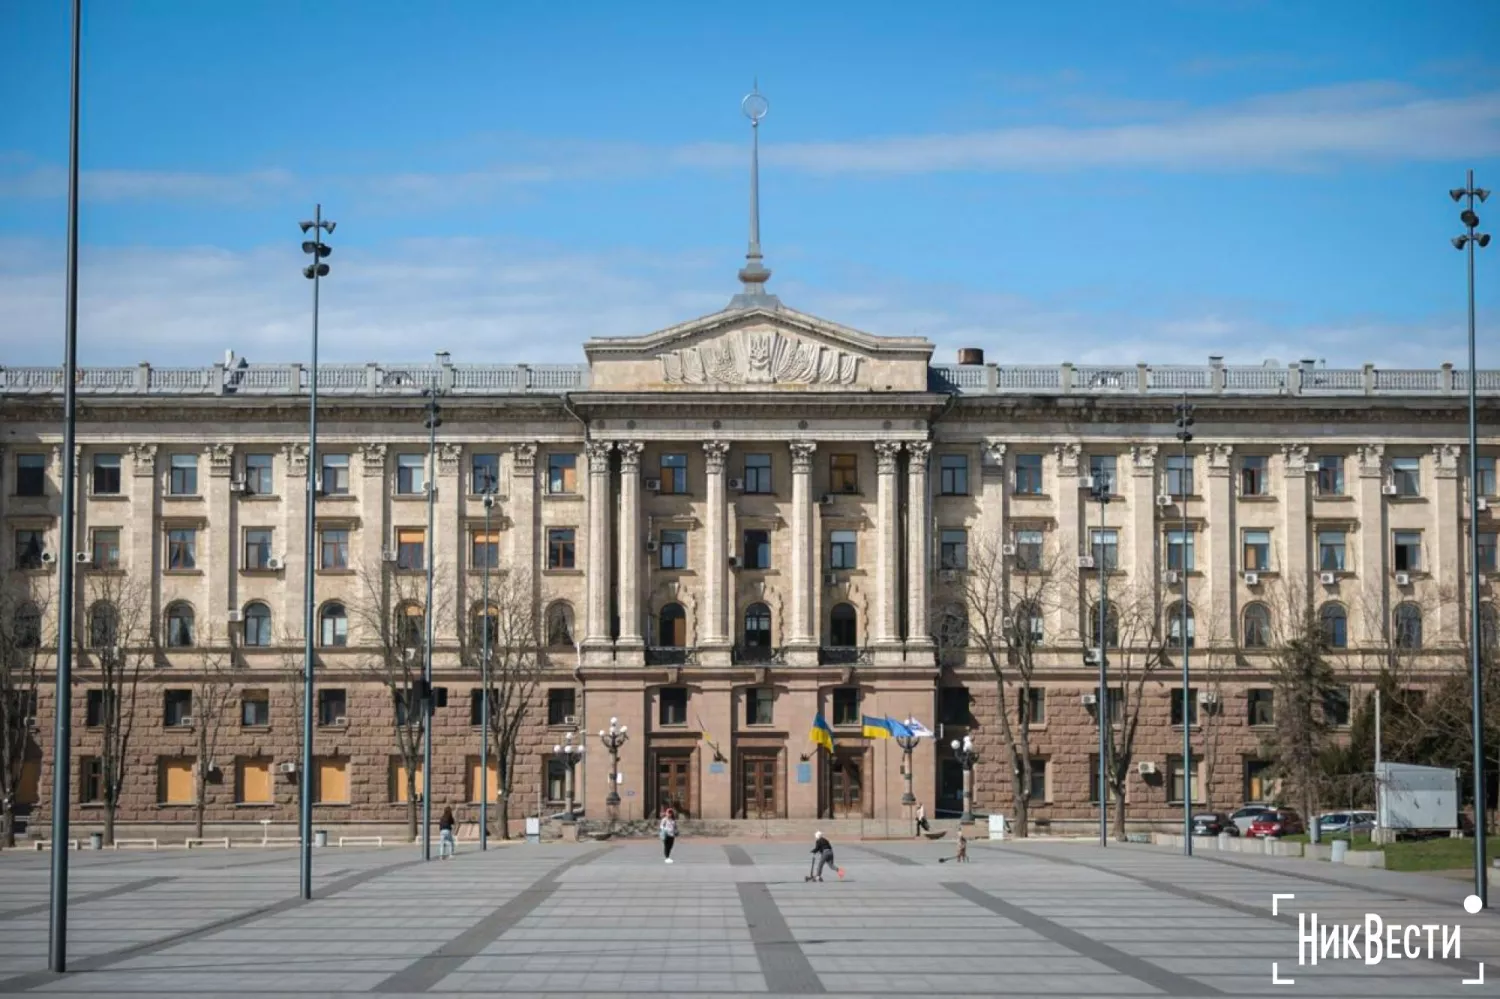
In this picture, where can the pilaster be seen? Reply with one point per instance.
(630, 545)
(713, 640)
(1373, 616)
(1448, 551)
(219, 548)
(918, 545)
(596, 616)
(523, 529)
(887, 629)
(146, 541)
(803, 641)
(1141, 550)
(292, 538)
(450, 548)
(1220, 559)
(1296, 565)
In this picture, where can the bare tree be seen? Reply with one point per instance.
(1297, 643)
(515, 671)
(293, 666)
(119, 640)
(25, 642)
(1213, 658)
(213, 692)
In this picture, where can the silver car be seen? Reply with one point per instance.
(1247, 815)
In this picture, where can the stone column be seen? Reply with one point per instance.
(596, 614)
(1298, 566)
(630, 543)
(1143, 539)
(523, 526)
(803, 639)
(1219, 555)
(712, 633)
(1373, 616)
(1447, 553)
(887, 627)
(918, 545)
(292, 538)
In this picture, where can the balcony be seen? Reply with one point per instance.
(671, 655)
(758, 655)
(844, 655)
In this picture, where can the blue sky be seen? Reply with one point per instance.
(1092, 181)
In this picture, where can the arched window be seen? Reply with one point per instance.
(1408, 626)
(1174, 626)
(411, 630)
(1111, 626)
(486, 622)
(28, 626)
(672, 627)
(104, 625)
(1257, 633)
(1335, 621)
(843, 627)
(180, 629)
(1489, 627)
(757, 627)
(257, 625)
(333, 626)
(560, 625)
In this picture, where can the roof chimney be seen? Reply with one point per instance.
(971, 355)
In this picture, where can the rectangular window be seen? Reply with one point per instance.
(953, 549)
(1094, 782)
(1037, 789)
(174, 780)
(1406, 476)
(490, 781)
(31, 545)
(843, 473)
(672, 707)
(953, 706)
(1102, 468)
(1408, 550)
(562, 474)
(1486, 478)
(1105, 544)
(411, 474)
(758, 701)
(31, 475)
(562, 706)
(106, 481)
(484, 549)
(95, 707)
(757, 473)
(254, 785)
(1176, 693)
(1336, 707)
(257, 547)
(90, 780)
(331, 780)
(1029, 474)
(953, 475)
(1181, 550)
(557, 780)
(1330, 475)
(333, 547)
(1332, 545)
(1035, 705)
(476, 706)
(106, 548)
(1029, 545)
(183, 479)
(334, 476)
(177, 708)
(411, 548)
(1262, 706)
(674, 474)
(182, 548)
(846, 706)
(843, 550)
(332, 706)
(1254, 475)
(1179, 475)
(560, 542)
(399, 792)
(1487, 551)
(255, 708)
(1258, 781)
(673, 549)
(484, 474)
(757, 550)
(1177, 775)
(258, 479)
(1257, 551)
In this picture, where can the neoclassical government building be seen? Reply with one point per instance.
(723, 529)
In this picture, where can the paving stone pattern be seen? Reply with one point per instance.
(727, 919)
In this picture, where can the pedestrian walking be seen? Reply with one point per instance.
(822, 854)
(668, 833)
(922, 819)
(963, 848)
(446, 844)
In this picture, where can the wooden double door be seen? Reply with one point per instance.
(673, 786)
(846, 785)
(760, 785)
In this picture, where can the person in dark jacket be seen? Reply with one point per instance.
(446, 843)
(822, 852)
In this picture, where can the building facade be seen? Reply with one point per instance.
(723, 529)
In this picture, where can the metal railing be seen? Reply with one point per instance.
(844, 655)
(671, 655)
(757, 655)
(1208, 379)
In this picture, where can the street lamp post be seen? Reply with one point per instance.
(1100, 487)
(613, 738)
(1469, 241)
(431, 421)
(908, 743)
(1185, 434)
(314, 272)
(967, 756)
(569, 754)
(484, 682)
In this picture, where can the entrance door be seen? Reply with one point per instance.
(758, 787)
(673, 784)
(848, 787)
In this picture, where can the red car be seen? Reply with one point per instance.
(1282, 822)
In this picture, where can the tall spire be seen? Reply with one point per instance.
(754, 275)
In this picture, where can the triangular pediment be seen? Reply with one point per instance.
(758, 349)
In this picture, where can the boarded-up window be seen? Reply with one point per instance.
(31, 775)
(491, 788)
(255, 782)
(398, 780)
(333, 780)
(175, 780)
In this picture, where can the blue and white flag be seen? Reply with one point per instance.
(919, 730)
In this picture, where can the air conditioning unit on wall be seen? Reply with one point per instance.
(737, 485)
(651, 485)
(1145, 768)
(1328, 578)
(1403, 579)
(1252, 579)
(234, 616)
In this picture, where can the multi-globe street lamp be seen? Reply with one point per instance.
(569, 754)
(431, 420)
(488, 625)
(1100, 490)
(613, 739)
(967, 756)
(1184, 411)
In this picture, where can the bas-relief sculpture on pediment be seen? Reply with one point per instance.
(759, 357)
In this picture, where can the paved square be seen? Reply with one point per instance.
(727, 919)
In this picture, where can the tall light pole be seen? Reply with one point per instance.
(431, 421)
(569, 754)
(62, 726)
(614, 738)
(908, 743)
(1185, 434)
(967, 756)
(484, 682)
(1100, 487)
(1468, 241)
(314, 272)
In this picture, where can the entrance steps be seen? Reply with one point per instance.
(781, 829)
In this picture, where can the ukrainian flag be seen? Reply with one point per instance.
(821, 734)
(876, 728)
(898, 729)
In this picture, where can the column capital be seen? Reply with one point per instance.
(993, 454)
(716, 452)
(920, 451)
(448, 454)
(1143, 457)
(372, 458)
(598, 452)
(1372, 461)
(143, 458)
(524, 456)
(885, 456)
(1220, 455)
(1295, 457)
(630, 455)
(296, 459)
(1068, 456)
(220, 459)
(1447, 460)
(802, 455)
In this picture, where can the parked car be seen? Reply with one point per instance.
(1213, 823)
(1346, 823)
(1281, 822)
(1248, 814)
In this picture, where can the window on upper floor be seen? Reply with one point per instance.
(1182, 550)
(1406, 551)
(1487, 551)
(1257, 551)
(1192, 707)
(106, 548)
(1254, 475)
(182, 548)
(484, 473)
(177, 708)
(1029, 474)
(1105, 546)
(562, 474)
(31, 475)
(334, 476)
(953, 548)
(183, 478)
(411, 548)
(411, 474)
(673, 549)
(953, 475)
(560, 547)
(843, 550)
(484, 549)
(106, 477)
(31, 545)
(1103, 470)
(757, 549)
(1332, 549)
(845, 706)
(1261, 704)
(1406, 476)
(1335, 621)
(1330, 480)
(334, 548)
(259, 479)
(1486, 478)
(257, 548)
(562, 706)
(1179, 475)
(674, 474)
(843, 473)
(758, 473)
(1030, 544)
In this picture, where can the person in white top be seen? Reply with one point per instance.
(922, 819)
(668, 833)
